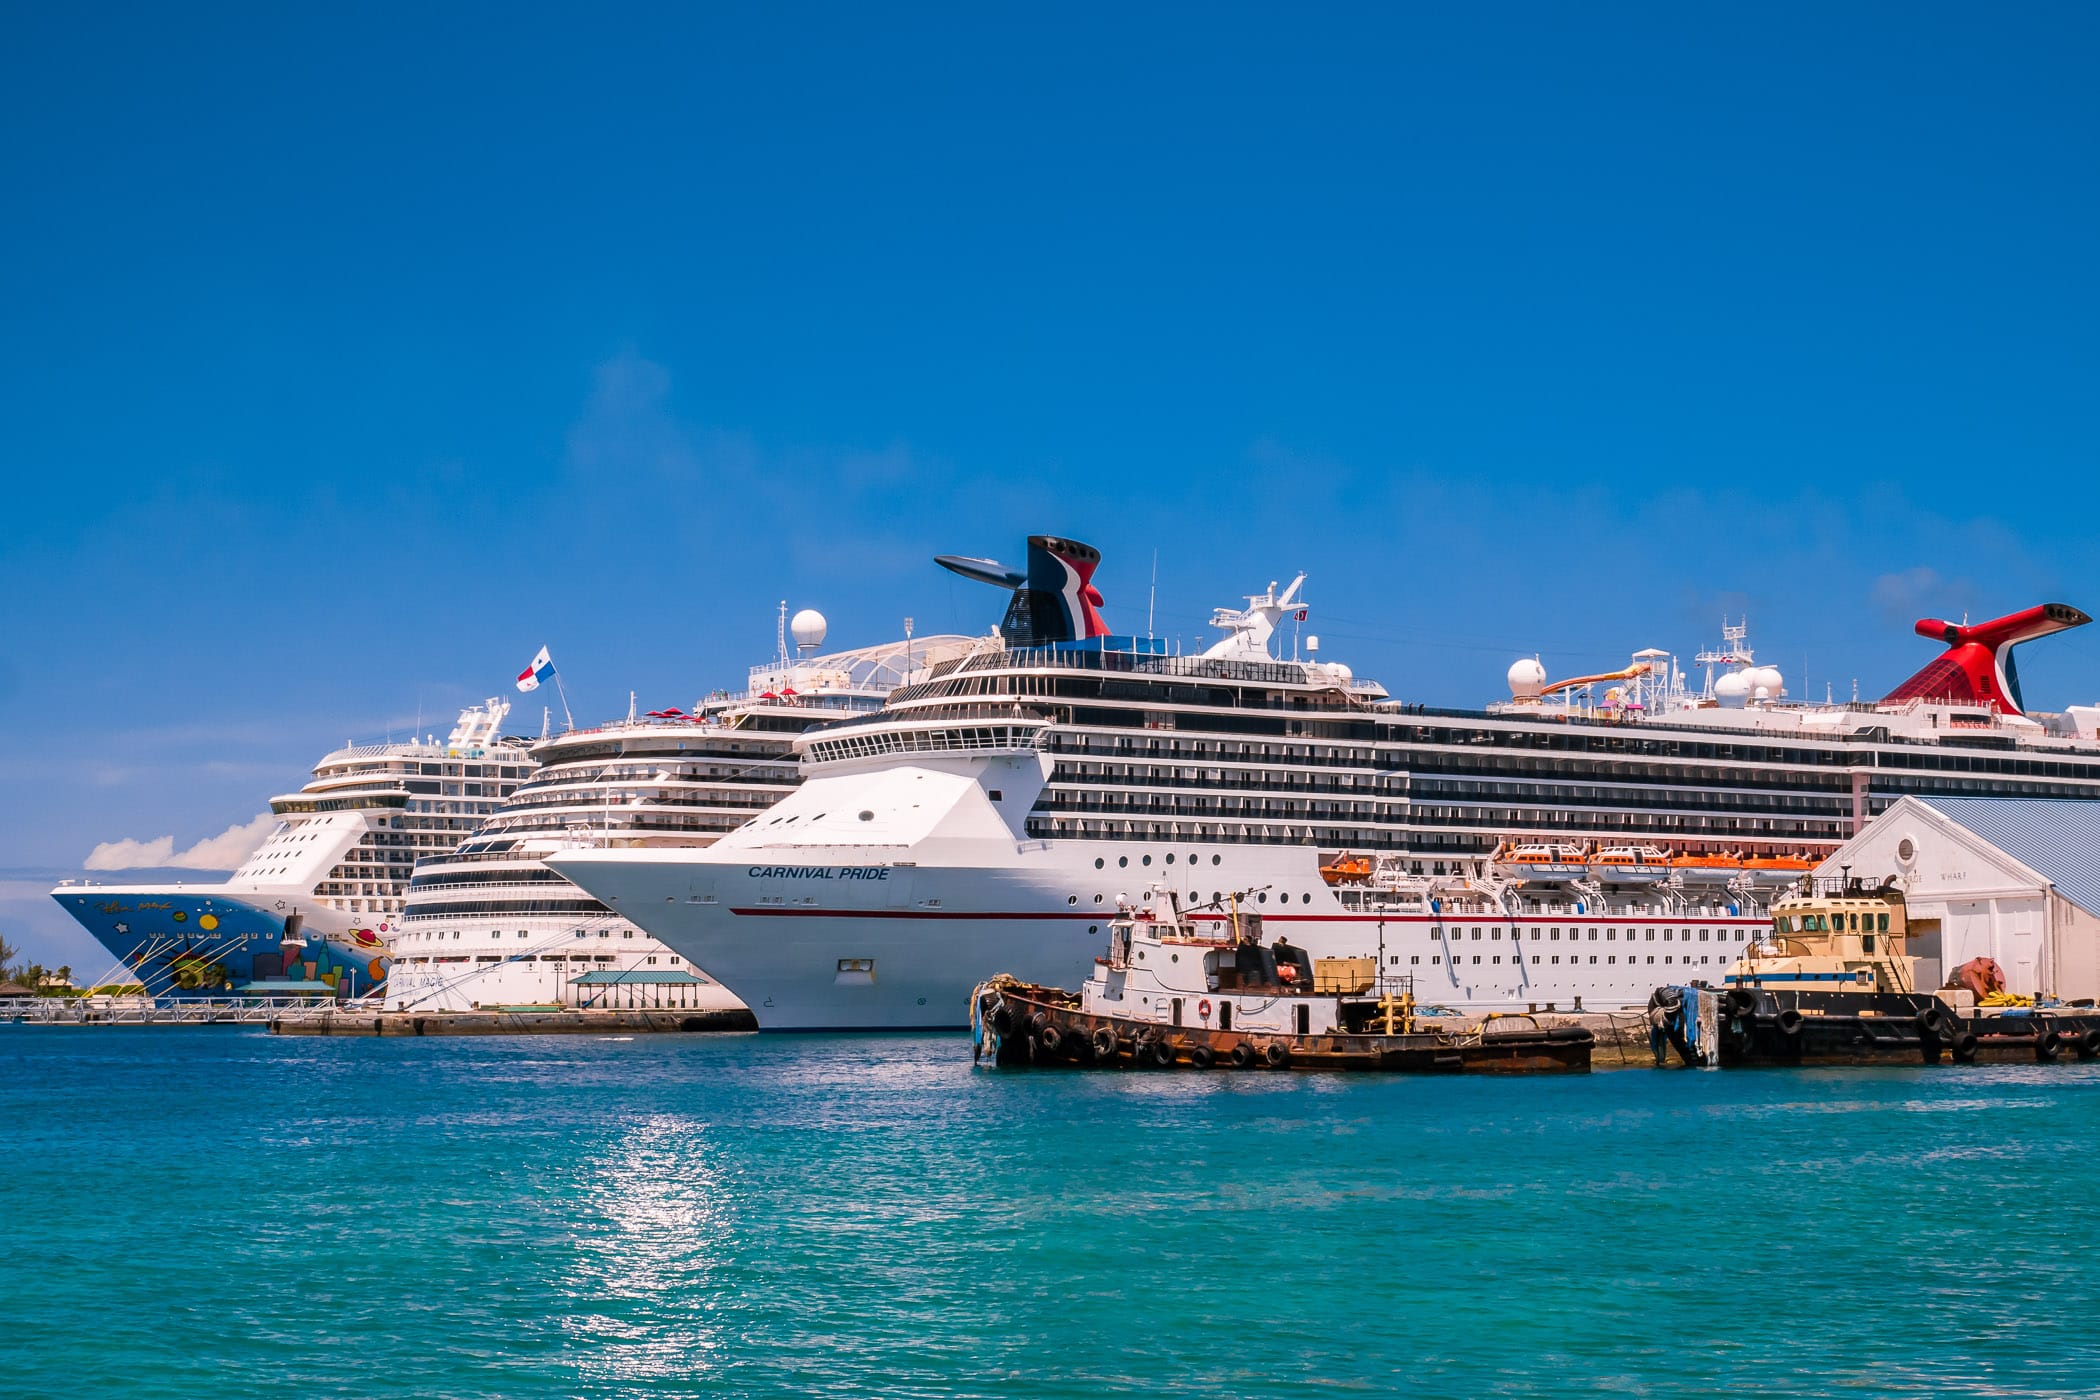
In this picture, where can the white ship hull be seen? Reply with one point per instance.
(827, 939)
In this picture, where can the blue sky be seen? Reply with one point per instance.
(348, 358)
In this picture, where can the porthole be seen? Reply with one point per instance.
(1098, 862)
(867, 816)
(1192, 857)
(1123, 860)
(1170, 857)
(1265, 896)
(1215, 859)
(1071, 899)
(1306, 898)
(1146, 860)
(1097, 899)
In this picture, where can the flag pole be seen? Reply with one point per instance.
(568, 720)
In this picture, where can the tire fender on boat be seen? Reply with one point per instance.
(1203, 1057)
(1789, 1022)
(1275, 1056)
(1243, 1056)
(1104, 1043)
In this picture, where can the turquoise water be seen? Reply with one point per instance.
(199, 1211)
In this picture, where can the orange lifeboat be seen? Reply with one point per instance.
(1346, 869)
(1792, 862)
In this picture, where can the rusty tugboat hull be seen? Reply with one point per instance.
(1744, 1027)
(1015, 1024)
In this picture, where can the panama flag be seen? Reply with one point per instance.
(541, 668)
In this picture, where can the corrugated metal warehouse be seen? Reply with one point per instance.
(2015, 879)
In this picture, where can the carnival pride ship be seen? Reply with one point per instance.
(313, 910)
(491, 925)
(997, 812)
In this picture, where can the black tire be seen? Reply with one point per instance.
(1203, 1057)
(1243, 1056)
(1052, 1039)
(1789, 1022)
(1104, 1043)
(1162, 1054)
(2047, 1044)
(1037, 1022)
(1740, 1003)
(1964, 1048)
(1276, 1056)
(2089, 1045)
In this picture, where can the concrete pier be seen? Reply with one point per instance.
(522, 1021)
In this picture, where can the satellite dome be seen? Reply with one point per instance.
(1526, 678)
(1733, 689)
(1765, 682)
(807, 628)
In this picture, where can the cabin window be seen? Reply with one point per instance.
(1304, 1019)
(1476, 959)
(1224, 1015)
(1593, 960)
(1498, 958)
(1651, 934)
(1496, 934)
(1610, 934)
(1702, 935)
(1416, 959)
(1556, 935)
(1866, 943)
(1476, 933)
(1177, 1011)
(1435, 959)
(1883, 920)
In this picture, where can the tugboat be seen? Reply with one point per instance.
(1179, 991)
(1832, 983)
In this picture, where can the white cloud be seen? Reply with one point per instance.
(222, 852)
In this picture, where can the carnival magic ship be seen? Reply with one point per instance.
(1552, 850)
(490, 925)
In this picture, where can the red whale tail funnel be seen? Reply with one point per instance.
(1977, 667)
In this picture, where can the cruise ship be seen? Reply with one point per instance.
(997, 812)
(313, 910)
(490, 925)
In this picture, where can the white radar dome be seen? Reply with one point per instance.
(1765, 682)
(808, 628)
(1527, 677)
(1733, 689)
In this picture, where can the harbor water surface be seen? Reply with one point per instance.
(200, 1211)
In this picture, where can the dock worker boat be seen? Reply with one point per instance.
(1174, 992)
(1833, 983)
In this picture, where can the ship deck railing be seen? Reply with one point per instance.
(149, 1011)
